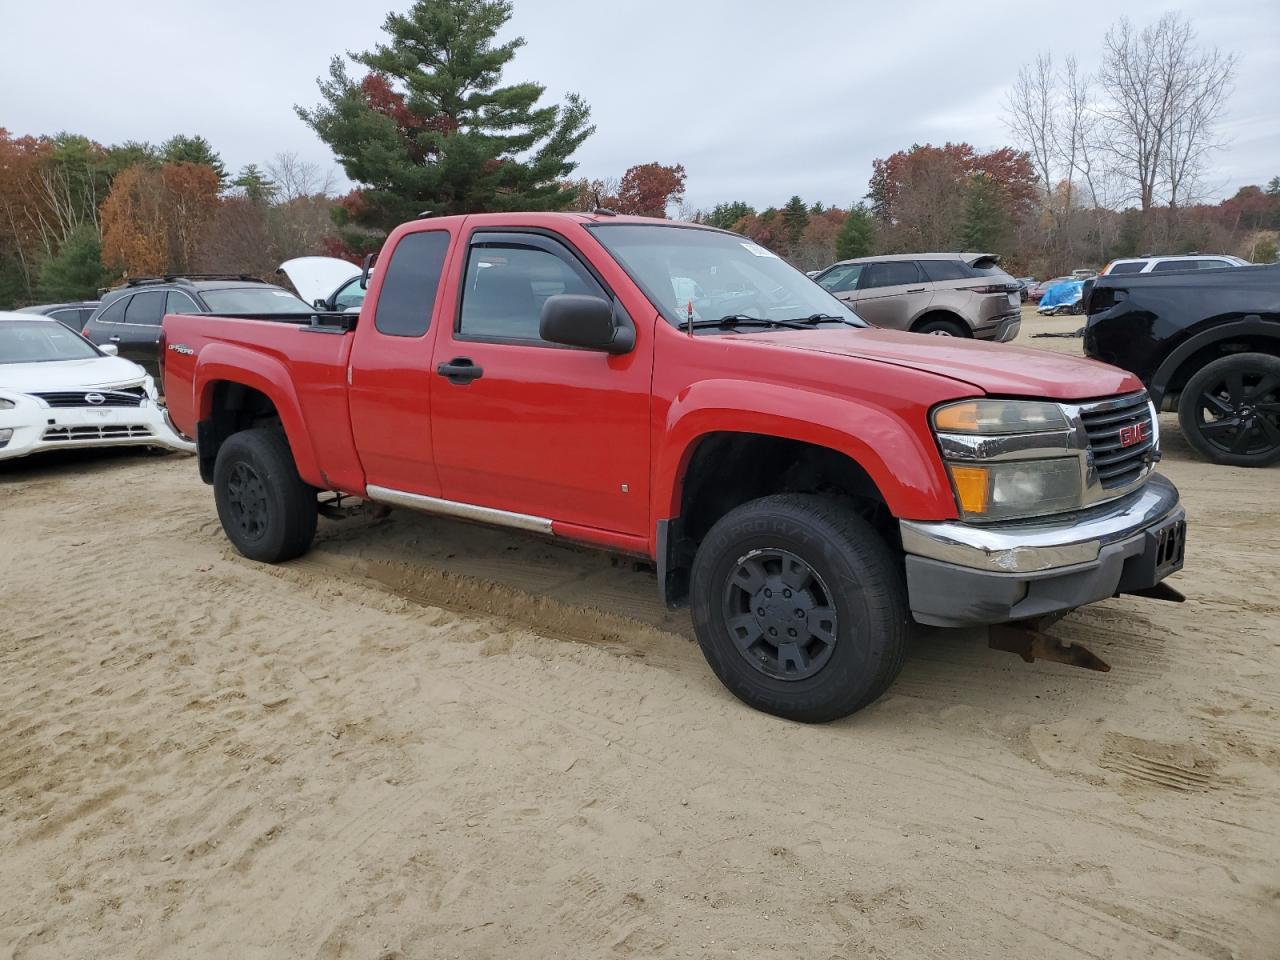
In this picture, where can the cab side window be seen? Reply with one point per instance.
(506, 285)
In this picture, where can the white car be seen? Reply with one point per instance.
(57, 390)
(326, 283)
(1190, 261)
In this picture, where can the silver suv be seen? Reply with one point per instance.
(945, 294)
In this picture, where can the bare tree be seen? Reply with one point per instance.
(298, 178)
(1032, 116)
(1165, 97)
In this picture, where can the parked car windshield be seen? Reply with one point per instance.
(720, 274)
(40, 341)
(253, 300)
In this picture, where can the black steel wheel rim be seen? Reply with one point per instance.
(247, 497)
(1240, 414)
(780, 614)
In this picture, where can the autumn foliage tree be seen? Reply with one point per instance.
(647, 189)
(921, 197)
(153, 219)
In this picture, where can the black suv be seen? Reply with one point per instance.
(1207, 344)
(130, 316)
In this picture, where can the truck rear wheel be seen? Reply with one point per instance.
(800, 607)
(266, 510)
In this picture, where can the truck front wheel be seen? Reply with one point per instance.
(266, 510)
(800, 607)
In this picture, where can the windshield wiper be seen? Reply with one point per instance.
(731, 320)
(815, 318)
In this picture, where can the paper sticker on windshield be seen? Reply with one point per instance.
(758, 251)
(282, 293)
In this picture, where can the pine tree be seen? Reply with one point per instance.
(183, 149)
(725, 215)
(985, 224)
(795, 216)
(430, 128)
(257, 186)
(76, 271)
(857, 234)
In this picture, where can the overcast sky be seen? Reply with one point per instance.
(759, 99)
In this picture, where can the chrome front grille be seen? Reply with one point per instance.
(108, 431)
(100, 398)
(1122, 438)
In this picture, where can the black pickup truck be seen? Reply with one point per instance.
(1207, 344)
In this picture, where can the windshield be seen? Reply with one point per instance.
(254, 300)
(720, 274)
(40, 341)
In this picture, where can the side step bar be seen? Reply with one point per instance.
(463, 511)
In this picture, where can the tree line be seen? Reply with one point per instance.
(1103, 165)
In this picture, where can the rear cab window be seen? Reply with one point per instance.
(1133, 266)
(409, 285)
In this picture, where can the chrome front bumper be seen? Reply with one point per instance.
(961, 573)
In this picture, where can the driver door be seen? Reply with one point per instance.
(530, 427)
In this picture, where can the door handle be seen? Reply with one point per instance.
(113, 339)
(460, 370)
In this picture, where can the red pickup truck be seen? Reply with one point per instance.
(808, 484)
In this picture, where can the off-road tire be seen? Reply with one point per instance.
(1242, 383)
(267, 511)
(868, 594)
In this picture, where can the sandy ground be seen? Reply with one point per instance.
(430, 740)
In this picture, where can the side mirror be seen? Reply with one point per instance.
(582, 321)
(110, 349)
(321, 304)
(364, 270)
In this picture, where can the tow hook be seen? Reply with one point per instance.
(1024, 639)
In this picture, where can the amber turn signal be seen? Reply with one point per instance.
(972, 484)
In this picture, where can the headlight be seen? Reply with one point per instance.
(1016, 488)
(999, 416)
(6, 404)
(1009, 459)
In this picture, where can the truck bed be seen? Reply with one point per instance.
(306, 354)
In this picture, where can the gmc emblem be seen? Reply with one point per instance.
(1134, 433)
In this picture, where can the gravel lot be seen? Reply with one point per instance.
(429, 740)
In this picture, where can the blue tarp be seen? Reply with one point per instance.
(1062, 294)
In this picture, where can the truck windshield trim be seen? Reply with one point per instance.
(710, 274)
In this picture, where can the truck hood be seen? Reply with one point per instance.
(994, 368)
(316, 278)
(70, 375)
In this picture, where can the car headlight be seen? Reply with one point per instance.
(999, 416)
(1009, 459)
